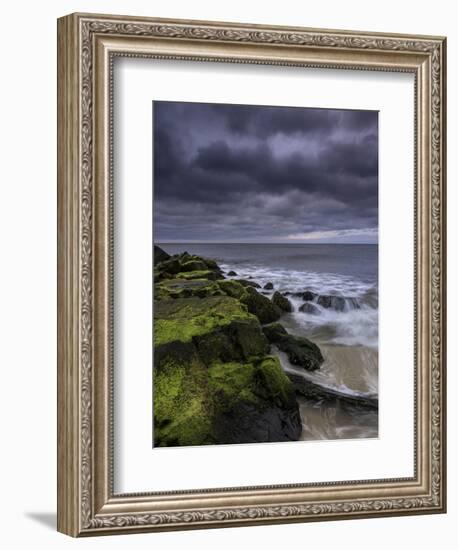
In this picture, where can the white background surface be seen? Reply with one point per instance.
(390, 455)
(28, 274)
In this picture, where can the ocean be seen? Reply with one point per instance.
(347, 335)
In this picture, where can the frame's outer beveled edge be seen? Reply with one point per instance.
(68, 279)
(75, 484)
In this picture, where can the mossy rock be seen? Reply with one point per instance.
(262, 307)
(185, 318)
(181, 288)
(183, 407)
(246, 283)
(160, 255)
(172, 266)
(232, 288)
(268, 286)
(282, 302)
(213, 380)
(300, 351)
(274, 332)
(225, 403)
(202, 274)
(194, 265)
(211, 264)
(254, 403)
(310, 308)
(219, 328)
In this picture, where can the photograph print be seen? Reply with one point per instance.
(265, 310)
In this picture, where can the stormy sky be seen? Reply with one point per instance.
(239, 173)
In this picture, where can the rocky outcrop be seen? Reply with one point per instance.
(246, 282)
(309, 307)
(268, 286)
(232, 273)
(185, 266)
(214, 380)
(160, 255)
(282, 302)
(308, 296)
(317, 392)
(300, 351)
(261, 306)
(329, 301)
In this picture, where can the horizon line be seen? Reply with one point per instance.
(283, 243)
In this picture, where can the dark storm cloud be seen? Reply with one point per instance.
(244, 173)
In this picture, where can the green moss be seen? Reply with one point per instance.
(198, 274)
(232, 288)
(274, 380)
(262, 307)
(194, 265)
(180, 288)
(182, 406)
(183, 319)
(231, 383)
(261, 382)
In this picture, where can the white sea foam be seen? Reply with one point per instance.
(354, 326)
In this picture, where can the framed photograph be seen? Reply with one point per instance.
(251, 290)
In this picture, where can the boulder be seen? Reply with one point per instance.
(338, 303)
(159, 255)
(255, 403)
(213, 380)
(172, 266)
(182, 288)
(268, 286)
(194, 265)
(309, 307)
(232, 273)
(261, 306)
(186, 318)
(203, 274)
(211, 264)
(309, 296)
(282, 302)
(246, 282)
(316, 392)
(300, 351)
(232, 288)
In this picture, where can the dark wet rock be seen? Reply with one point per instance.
(205, 274)
(211, 264)
(268, 286)
(172, 266)
(300, 350)
(308, 296)
(261, 306)
(160, 255)
(338, 303)
(282, 302)
(309, 307)
(232, 288)
(194, 265)
(232, 273)
(245, 283)
(313, 391)
(219, 328)
(186, 266)
(274, 332)
(182, 288)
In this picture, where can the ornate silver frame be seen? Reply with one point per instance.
(87, 44)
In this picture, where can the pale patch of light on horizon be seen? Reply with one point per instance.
(313, 235)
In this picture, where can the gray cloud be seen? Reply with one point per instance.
(248, 173)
